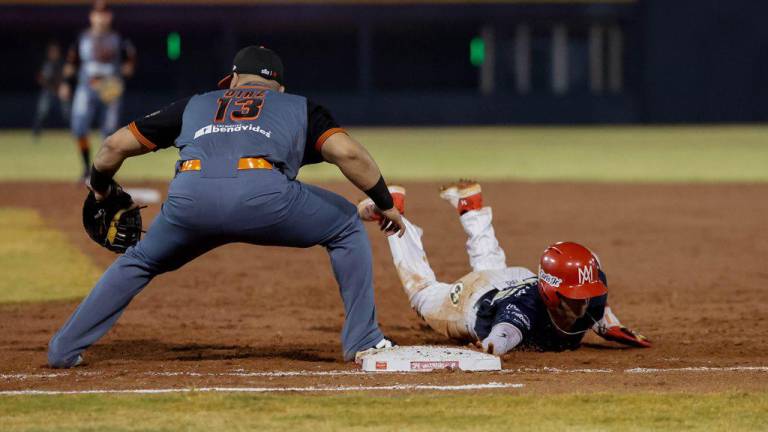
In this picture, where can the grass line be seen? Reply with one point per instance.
(413, 412)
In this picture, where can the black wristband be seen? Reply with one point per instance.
(100, 182)
(380, 195)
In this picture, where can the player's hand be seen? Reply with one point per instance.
(65, 92)
(625, 336)
(127, 70)
(114, 222)
(475, 346)
(98, 195)
(391, 222)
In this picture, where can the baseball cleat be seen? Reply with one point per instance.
(77, 362)
(464, 195)
(367, 209)
(382, 345)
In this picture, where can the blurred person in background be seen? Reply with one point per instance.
(96, 67)
(49, 77)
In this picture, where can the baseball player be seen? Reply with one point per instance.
(49, 78)
(241, 148)
(500, 307)
(96, 66)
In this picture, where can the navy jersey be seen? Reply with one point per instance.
(222, 126)
(522, 306)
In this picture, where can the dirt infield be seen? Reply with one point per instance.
(686, 266)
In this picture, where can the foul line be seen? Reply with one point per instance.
(300, 373)
(335, 373)
(397, 387)
(699, 369)
(554, 370)
(548, 370)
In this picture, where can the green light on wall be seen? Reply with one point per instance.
(476, 51)
(173, 46)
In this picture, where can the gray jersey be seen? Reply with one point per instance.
(222, 126)
(99, 56)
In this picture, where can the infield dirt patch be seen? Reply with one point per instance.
(685, 264)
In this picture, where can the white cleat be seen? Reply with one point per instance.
(463, 195)
(382, 345)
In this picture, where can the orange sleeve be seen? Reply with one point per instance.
(327, 134)
(139, 137)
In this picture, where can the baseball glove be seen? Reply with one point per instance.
(114, 222)
(109, 89)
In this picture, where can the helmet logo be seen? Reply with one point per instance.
(550, 279)
(585, 274)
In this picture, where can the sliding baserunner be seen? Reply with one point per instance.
(503, 307)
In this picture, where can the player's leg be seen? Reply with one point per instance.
(111, 117)
(306, 216)
(165, 247)
(65, 108)
(482, 246)
(83, 110)
(436, 302)
(412, 265)
(408, 253)
(41, 112)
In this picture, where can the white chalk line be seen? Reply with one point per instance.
(310, 389)
(639, 370)
(698, 369)
(272, 374)
(23, 376)
(547, 370)
(554, 370)
(336, 373)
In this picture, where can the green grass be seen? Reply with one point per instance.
(414, 413)
(647, 154)
(38, 262)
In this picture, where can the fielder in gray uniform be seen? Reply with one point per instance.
(241, 148)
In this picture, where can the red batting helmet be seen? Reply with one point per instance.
(569, 270)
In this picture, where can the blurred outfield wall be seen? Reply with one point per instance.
(434, 62)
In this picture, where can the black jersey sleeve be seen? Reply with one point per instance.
(320, 126)
(518, 308)
(161, 128)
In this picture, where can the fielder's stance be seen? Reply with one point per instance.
(241, 148)
(505, 307)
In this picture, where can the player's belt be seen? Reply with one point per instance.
(243, 164)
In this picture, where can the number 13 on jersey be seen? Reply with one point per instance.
(241, 105)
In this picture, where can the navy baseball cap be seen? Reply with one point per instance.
(256, 60)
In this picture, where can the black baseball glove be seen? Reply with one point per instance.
(114, 222)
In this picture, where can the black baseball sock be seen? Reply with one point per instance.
(85, 153)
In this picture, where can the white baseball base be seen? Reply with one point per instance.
(144, 195)
(427, 359)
